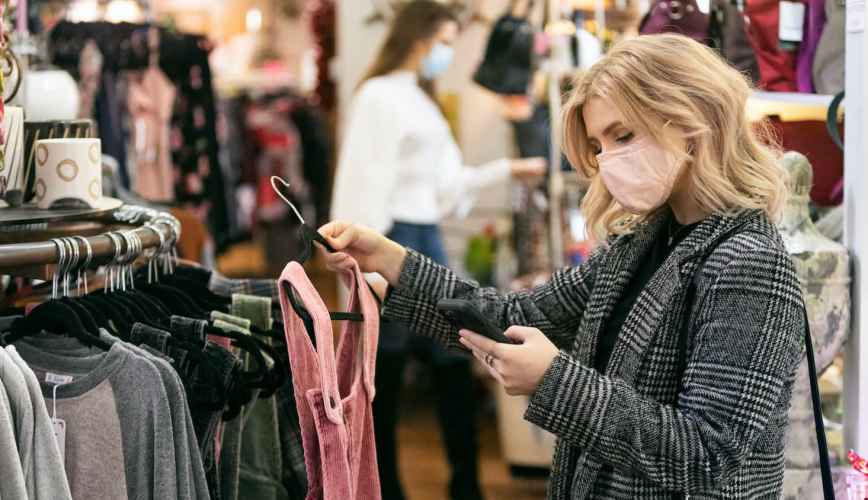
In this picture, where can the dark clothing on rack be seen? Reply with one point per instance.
(109, 125)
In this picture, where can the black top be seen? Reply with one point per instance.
(672, 234)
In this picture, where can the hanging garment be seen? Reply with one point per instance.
(151, 97)
(13, 484)
(815, 20)
(119, 431)
(334, 390)
(828, 66)
(260, 461)
(49, 477)
(22, 414)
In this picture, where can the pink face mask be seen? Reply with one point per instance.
(640, 176)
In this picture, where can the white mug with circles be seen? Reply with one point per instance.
(68, 173)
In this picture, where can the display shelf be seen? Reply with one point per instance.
(789, 105)
(13, 216)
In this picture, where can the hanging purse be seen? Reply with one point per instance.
(815, 20)
(828, 64)
(777, 67)
(507, 66)
(727, 33)
(676, 16)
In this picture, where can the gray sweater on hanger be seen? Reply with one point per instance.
(22, 415)
(49, 475)
(190, 469)
(129, 391)
(12, 486)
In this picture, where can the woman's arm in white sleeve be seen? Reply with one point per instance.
(460, 185)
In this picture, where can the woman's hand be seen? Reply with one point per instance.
(374, 252)
(527, 169)
(519, 368)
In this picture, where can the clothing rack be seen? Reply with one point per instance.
(155, 230)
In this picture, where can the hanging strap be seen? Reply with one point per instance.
(683, 338)
(832, 120)
(825, 466)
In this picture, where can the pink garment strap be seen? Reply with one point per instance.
(316, 367)
(361, 295)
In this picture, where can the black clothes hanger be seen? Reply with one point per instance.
(308, 236)
(56, 317)
(117, 313)
(200, 294)
(175, 300)
(87, 319)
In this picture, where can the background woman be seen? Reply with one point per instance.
(685, 195)
(400, 172)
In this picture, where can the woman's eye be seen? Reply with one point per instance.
(625, 138)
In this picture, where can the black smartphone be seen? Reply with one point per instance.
(462, 314)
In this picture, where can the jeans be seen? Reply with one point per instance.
(452, 374)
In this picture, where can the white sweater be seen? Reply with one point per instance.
(399, 161)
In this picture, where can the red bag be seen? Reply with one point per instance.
(777, 67)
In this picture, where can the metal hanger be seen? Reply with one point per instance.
(308, 236)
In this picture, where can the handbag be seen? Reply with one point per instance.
(819, 426)
(815, 20)
(507, 66)
(828, 65)
(777, 67)
(676, 16)
(727, 33)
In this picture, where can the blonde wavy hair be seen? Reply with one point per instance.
(677, 90)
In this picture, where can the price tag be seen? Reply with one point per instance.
(60, 436)
(792, 22)
(55, 379)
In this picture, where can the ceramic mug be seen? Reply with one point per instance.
(68, 173)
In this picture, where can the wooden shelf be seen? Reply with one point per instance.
(789, 105)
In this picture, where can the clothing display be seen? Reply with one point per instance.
(158, 121)
(300, 211)
(416, 188)
(150, 405)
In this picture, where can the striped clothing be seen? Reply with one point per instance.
(723, 435)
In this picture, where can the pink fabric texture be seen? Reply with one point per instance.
(334, 388)
(151, 100)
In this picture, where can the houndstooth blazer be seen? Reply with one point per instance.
(723, 435)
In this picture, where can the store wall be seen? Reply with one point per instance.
(484, 135)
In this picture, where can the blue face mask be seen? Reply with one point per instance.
(437, 61)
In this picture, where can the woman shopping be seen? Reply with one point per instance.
(400, 171)
(684, 195)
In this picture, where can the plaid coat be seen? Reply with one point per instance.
(723, 435)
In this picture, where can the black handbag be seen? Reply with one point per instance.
(507, 66)
(825, 466)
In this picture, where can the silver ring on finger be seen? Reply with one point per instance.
(489, 359)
